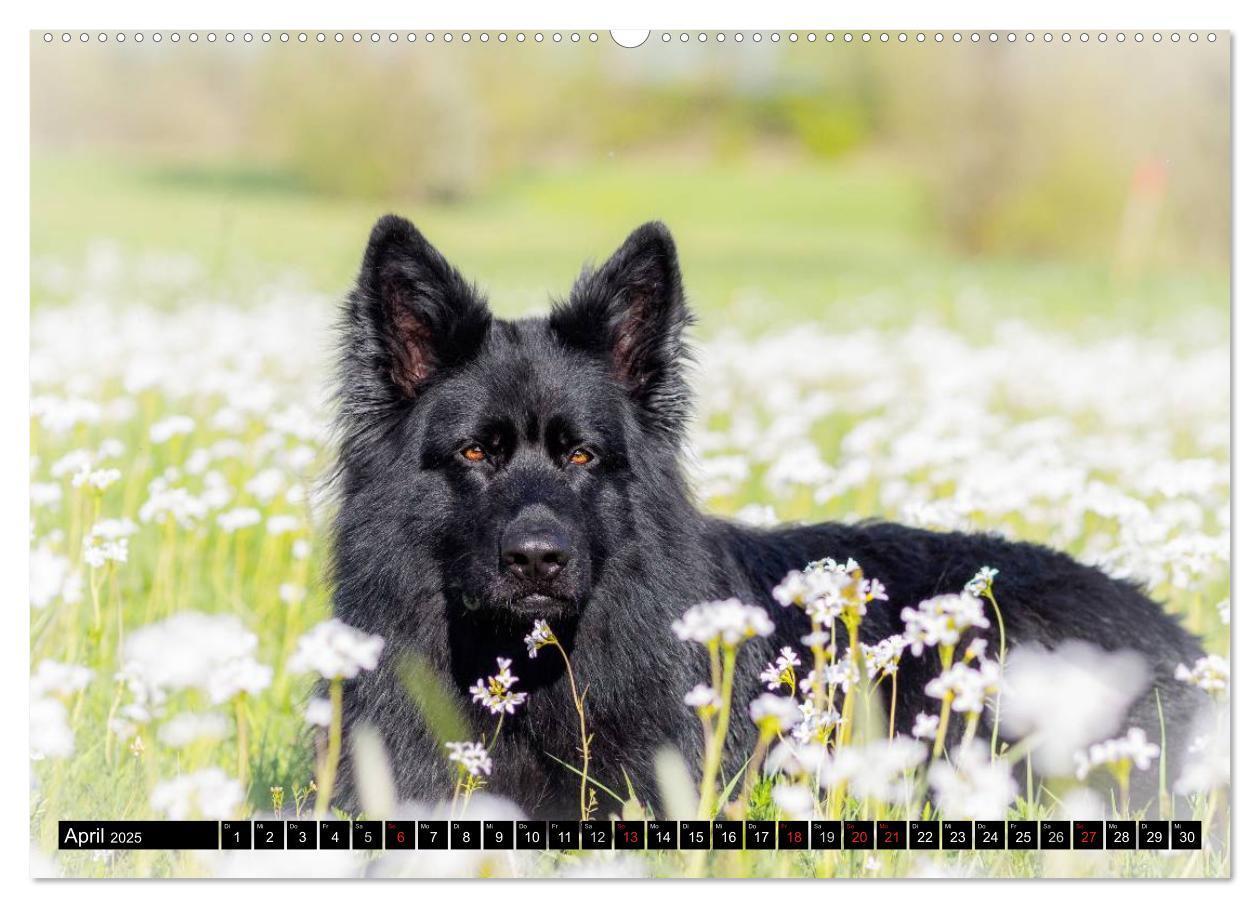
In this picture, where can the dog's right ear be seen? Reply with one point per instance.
(412, 314)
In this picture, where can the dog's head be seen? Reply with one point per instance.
(518, 457)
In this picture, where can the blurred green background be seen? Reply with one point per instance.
(1080, 184)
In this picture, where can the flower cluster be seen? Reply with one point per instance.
(942, 620)
(106, 542)
(335, 650)
(1131, 750)
(981, 584)
(782, 671)
(702, 697)
(775, 715)
(728, 621)
(1210, 673)
(472, 757)
(495, 692)
(206, 794)
(884, 658)
(972, 786)
(541, 635)
(828, 590)
(967, 685)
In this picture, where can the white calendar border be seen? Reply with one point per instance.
(1090, 15)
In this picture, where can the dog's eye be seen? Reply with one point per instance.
(580, 457)
(473, 453)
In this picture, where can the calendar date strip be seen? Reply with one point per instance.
(631, 835)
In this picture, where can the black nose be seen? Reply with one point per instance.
(535, 553)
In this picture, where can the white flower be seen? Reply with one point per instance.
(796, 801)
(60, 415)
(72, 463)
(817, 638)
(319, 712)
(266, 484)
(45, 494)
(757, 515)
(540, 636)
(51, 735)
(99, 479)
(884, 658)
(280, 524)
(839, 674)
(942, 620)
(97, 555)
(291, 593)
(884, 769)
(51, 577)
(1210, 673)
(794, 757)
(59, 678)
(968, 685)
(166, 429)
(826, 590)
(1068, 698)
(781, 671)
(816, 724)
(925, 725)
(1081, 804)
(495, 693)
(336, 650)
(702, 696)
(239, 519)
(728, 620)
(1133, 749)
(471, 756)
(166, 502)
(112, 530)
(188, 728)
(973, 788)
(242, 675)
(774, 714)
(1207, 764)
(976, 649)
(207, 793)
(982, 583)
(189, 649)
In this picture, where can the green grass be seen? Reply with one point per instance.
(761, 246)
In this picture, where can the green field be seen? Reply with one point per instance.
(852, 366)
(762, 247)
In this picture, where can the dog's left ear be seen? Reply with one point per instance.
(631, 310)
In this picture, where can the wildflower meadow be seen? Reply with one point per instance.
(179, 620)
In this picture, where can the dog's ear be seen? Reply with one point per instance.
(631, 311)
(412, 314)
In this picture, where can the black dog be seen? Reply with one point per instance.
(496, 472)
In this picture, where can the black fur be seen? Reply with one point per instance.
(426, 372)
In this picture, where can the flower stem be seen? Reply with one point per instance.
(997, 696)
(584, 743)
(947, 702)
(713, 758)
(242, 741)
(973, 721)
(892, 708)
(329, 772)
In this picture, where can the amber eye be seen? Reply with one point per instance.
(474, 453)
(581, 457)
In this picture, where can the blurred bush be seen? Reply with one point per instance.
(1027, 149)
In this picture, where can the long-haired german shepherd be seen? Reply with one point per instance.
(495, 472)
